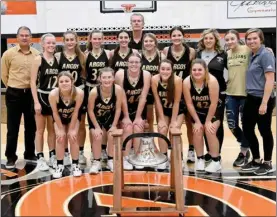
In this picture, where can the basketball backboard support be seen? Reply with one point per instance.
(116, 6)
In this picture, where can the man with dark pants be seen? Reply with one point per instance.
(16, 69)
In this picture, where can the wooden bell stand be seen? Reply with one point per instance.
(176, 181)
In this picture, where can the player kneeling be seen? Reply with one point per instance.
(65, 103)
(104, 108)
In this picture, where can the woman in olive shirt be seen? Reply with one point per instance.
(238, 60)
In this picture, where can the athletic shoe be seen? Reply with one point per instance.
(110, 165)
(76, 171)
(213, 167)
(82, 158)
(200, 165)
(95, 167)
(53, 161)
(251, 166)
(42, 165)
(66, 160)
(104, 155)
(241, 160)
(126, 164)
(11, 162)
(191, 156)
(264, 169)
(162, 166)
(58, 172)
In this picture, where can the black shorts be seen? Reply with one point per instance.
(83, 108)
(150, 98)
(132, 114)
(202, 116)
(44, 102)
(103, 123)
(168, 112)
(66, 121)
(86, 96)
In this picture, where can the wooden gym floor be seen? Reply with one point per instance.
(25, 191)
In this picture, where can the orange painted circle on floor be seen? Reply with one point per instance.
(51, 198)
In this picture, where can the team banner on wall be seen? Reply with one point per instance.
(18, 7)
(251, 9)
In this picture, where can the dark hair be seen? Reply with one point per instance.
(89, 45)
(258, 31)
(179, 28)
(23, 28)
(116, 50)
(170, 83)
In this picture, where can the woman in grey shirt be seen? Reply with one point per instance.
(259, 102)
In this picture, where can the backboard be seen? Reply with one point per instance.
(116, 6)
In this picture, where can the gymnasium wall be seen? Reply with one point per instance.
(58, 16)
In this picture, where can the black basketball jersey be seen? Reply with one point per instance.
(135, 45)
(119, 62)
(132, 92)
(162, 92)
(73, 66)
(182, 66)
(94, 64)
(151, 66)
(65, 112)
(105, 111)
(47, 75)
(201, 101)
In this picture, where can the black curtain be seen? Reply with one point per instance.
(270, 40)
(4, 47)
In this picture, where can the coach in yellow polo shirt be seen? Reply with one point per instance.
(16, 69)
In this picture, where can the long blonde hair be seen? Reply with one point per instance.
(202, 63)
(216, 35)
(78, 50)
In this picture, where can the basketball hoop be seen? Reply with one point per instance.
(128, 8)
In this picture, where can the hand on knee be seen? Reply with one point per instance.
(138, 129)
(197, 128)
(139, 123)
(163, 129)
(128, 129)
(211, 128)
(162, 124)
(61, 139)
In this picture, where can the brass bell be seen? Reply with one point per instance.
(148, 155)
